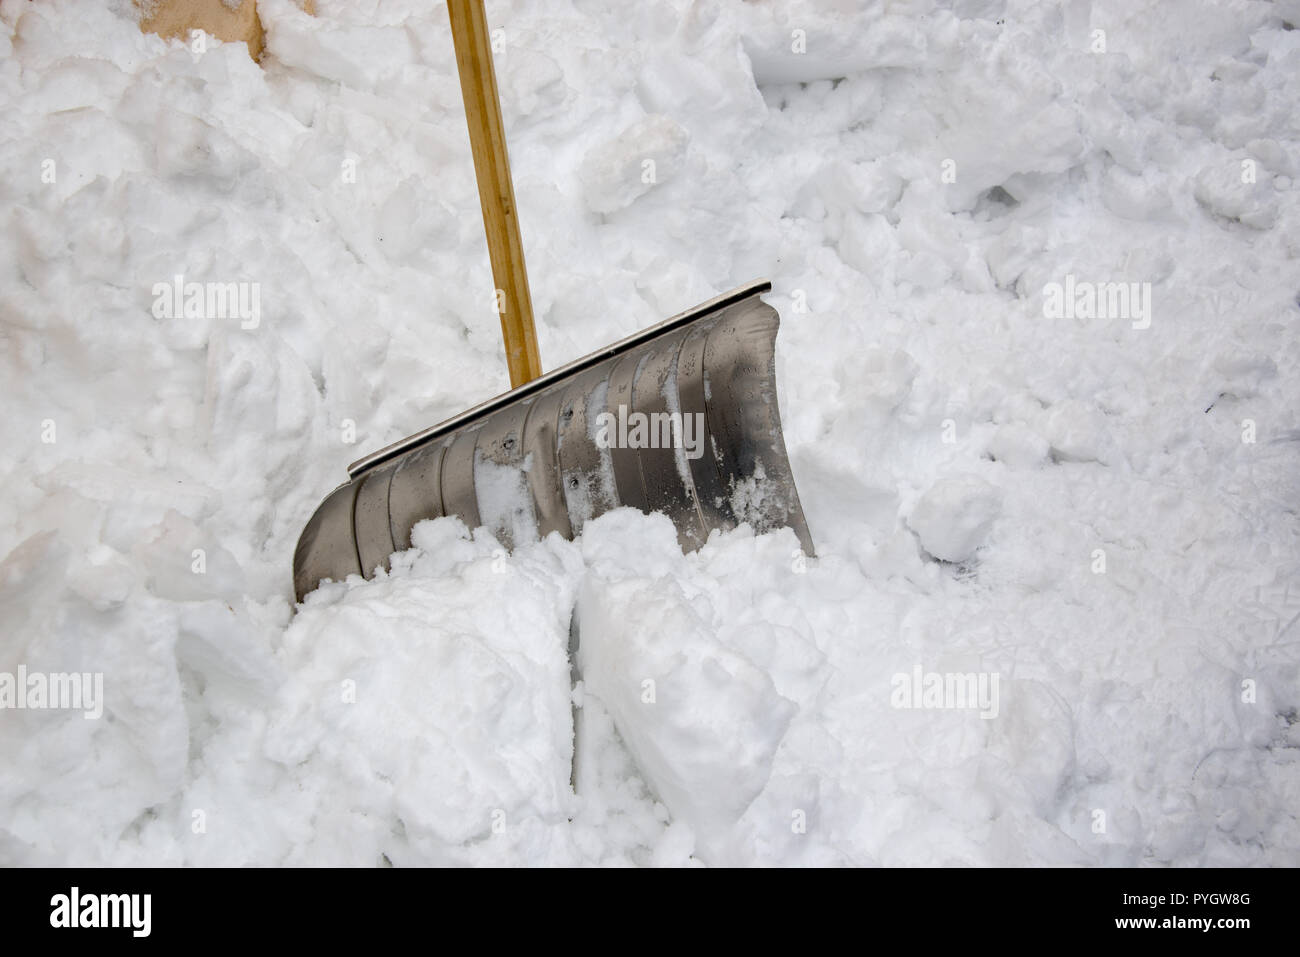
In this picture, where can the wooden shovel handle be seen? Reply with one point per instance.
(496, 192)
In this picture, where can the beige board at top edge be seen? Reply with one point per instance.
(174, 19)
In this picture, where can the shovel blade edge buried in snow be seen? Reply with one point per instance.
(680, 418)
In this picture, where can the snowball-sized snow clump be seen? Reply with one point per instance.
(954, 517)
(616, 172)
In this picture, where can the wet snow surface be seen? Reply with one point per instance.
(1094, 516)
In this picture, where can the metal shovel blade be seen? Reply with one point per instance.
(680, 418)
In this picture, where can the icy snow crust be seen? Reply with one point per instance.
(963, 461)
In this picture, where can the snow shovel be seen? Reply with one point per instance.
(680, 418)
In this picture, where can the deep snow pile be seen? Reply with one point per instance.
(1100, 512)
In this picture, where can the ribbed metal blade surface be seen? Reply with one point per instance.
(680, 418)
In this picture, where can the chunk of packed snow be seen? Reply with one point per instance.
(953, 518)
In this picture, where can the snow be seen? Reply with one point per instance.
(954, 517)
(505, 506)
(1099, 514)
